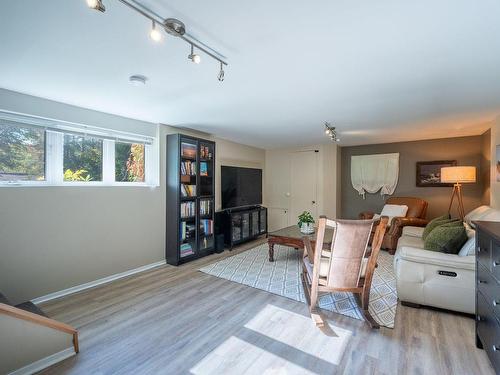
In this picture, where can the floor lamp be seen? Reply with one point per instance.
(458, 176)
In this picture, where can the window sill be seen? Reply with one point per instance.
(77, 184)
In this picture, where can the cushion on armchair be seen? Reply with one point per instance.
(392, 211)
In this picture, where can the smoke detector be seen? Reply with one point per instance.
(138, 80)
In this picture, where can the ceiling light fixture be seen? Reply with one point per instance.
(193, 56)
(173, 27)
(97, 5)
(220, 77)
(331, 132)
(138, 80)
(155, 34)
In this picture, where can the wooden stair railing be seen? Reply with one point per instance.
(40, 320)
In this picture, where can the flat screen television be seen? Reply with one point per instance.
(240, 187)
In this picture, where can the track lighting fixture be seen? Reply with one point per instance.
(331, 132)
(97, 5)
(173, 27)
(220, 77)
(155, 34)
(193, 56)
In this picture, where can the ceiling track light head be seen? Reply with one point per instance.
(193, 56)
(97, 5)
(155, 34)
(174, 27)
(220, 77)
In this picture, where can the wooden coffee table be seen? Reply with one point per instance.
(292, 237)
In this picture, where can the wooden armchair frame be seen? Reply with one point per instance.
(349, 264)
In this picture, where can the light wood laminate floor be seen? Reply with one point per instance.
(176, 320)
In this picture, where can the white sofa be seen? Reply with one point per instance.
(436, 279)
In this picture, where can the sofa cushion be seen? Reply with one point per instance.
(435, 223)
(491, 215)
(477, 214)
(413, 231)
(447, 238)
(469, 248)
(411, 241)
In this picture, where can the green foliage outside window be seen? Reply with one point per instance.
(82, 158)
(22, 153)
(129, 162)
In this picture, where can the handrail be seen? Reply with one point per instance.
(40, 320)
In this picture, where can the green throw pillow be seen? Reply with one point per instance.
(448, 238)
(434, 223)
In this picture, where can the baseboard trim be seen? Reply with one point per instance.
(44, 362)
(93, 284)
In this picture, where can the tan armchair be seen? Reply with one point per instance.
(417, 211)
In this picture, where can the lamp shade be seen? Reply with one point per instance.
(458, 174)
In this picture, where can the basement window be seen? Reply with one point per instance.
(40, 152)
(22, 153)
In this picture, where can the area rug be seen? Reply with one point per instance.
(282, 277)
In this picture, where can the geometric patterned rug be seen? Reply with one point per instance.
(282, 277)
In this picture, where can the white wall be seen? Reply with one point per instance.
(53, 238)
(495, 185)
(278, 183)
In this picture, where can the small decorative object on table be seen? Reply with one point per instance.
(306, 223)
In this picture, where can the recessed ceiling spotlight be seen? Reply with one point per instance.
(193, 56)
(155, 34)
(97, 5)
(138, 80)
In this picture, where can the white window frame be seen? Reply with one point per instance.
(54, 152)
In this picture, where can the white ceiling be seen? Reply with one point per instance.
(380, 70)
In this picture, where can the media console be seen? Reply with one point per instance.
(241, 224)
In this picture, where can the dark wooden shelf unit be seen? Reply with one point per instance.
(190, 198)
(488, 290)
(243, 224)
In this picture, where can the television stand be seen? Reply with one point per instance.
(241, 225)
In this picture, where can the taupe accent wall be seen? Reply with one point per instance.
(466, 150)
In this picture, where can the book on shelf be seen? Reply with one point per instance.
(188, 190)
(188, 168)
(205, 152)
(207, 226)
(203, 168)
(188, 209)
(188, 231)
(188, 150)
(186, 250)
(205, 207)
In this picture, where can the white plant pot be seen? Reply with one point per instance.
(307, 228)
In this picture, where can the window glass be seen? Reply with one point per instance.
(22, 153)
(129, 162)
(82, 158)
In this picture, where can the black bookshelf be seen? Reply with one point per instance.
(190, 198)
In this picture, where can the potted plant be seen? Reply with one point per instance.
(306, 222)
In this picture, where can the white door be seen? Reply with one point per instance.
(304, 176)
